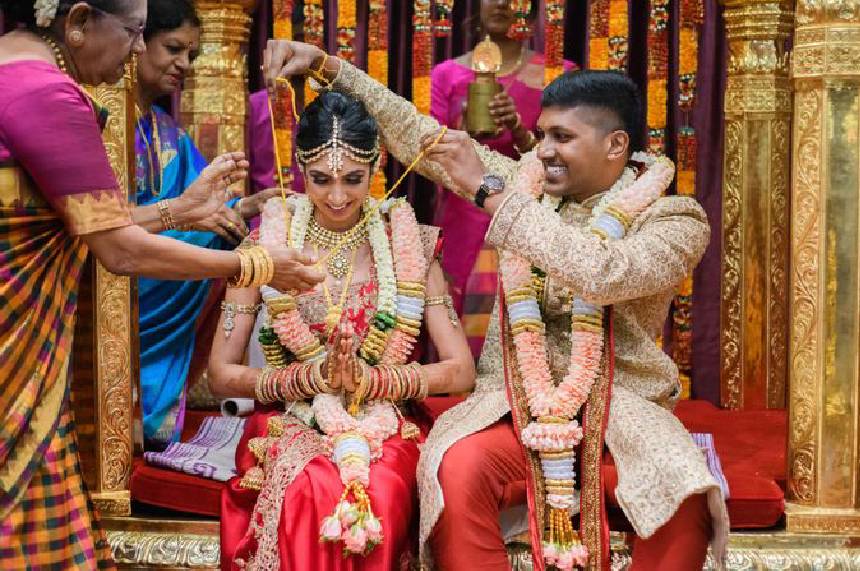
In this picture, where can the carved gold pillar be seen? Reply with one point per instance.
(755, 234)
(214, 100)
(824, 465)
(105, 348)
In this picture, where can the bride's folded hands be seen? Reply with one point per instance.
(340, 366)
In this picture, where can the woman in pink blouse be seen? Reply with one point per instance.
(472, 267)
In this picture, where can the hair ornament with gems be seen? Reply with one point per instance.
(336, 148)
(46, 11)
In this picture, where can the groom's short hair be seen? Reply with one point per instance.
(609, 90)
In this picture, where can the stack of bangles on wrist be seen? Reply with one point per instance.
(295, 382)
(396, 382)
(299, 381)
(257, 268)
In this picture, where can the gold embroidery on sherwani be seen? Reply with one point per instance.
(88, 213)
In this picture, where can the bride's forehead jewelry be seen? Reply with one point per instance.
(336, 148)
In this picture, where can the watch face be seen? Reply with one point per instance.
(494, 183)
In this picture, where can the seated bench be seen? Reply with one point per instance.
(751, 446)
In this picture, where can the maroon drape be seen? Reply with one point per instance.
(708, 121)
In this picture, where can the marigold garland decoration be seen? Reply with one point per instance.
(553, 40)
(658, 75)
(346, 22)
(422, 56)
(691, 15)
(442, 20)
(608, 31)
(314, 34)
(282, 103)
(377, 68)
(521, 29)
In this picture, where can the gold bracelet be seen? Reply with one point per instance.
(231, 310)
(241, 280)
(264, 267)
(166, 217)
(448, 302)
(260, 389)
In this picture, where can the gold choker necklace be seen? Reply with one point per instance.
(58, 53)
(338, 263)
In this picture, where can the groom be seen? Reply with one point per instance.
(606, 253)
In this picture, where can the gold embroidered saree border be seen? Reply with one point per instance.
(88, 213)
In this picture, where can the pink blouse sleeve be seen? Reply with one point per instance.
(52, 132)
(439, 96)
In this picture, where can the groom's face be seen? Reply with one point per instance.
(580, 148)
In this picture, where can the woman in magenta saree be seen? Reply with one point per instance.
(470, 265)
(323, 486)
(59, 199)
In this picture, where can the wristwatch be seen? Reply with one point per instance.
(490, 185)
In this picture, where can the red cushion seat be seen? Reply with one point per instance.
(175, 490)
(751, 446)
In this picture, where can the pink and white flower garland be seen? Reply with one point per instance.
(355, 442)
(554, 431)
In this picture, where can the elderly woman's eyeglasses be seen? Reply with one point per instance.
(133, 32)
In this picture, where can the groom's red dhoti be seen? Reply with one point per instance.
(485, 473)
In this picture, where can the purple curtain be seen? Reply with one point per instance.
(708, 121)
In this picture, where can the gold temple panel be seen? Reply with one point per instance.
(214, 105)
(824, 439)
(105, 346)
(754, 288)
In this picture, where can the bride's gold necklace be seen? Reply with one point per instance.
(337, 263)
(335, 311)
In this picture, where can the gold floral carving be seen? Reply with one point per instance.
(757, 108)
(114, 326)
(805, 340)
(779, 264)
(822, 520)
(139, 549)
(730, 308)
(756, 32)
(746, 552)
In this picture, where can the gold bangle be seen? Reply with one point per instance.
(259, 389)
(257, 264)
(239, 280)
(166, 217)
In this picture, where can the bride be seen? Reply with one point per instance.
(328, 480)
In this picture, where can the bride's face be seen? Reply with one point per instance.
(337, 198)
